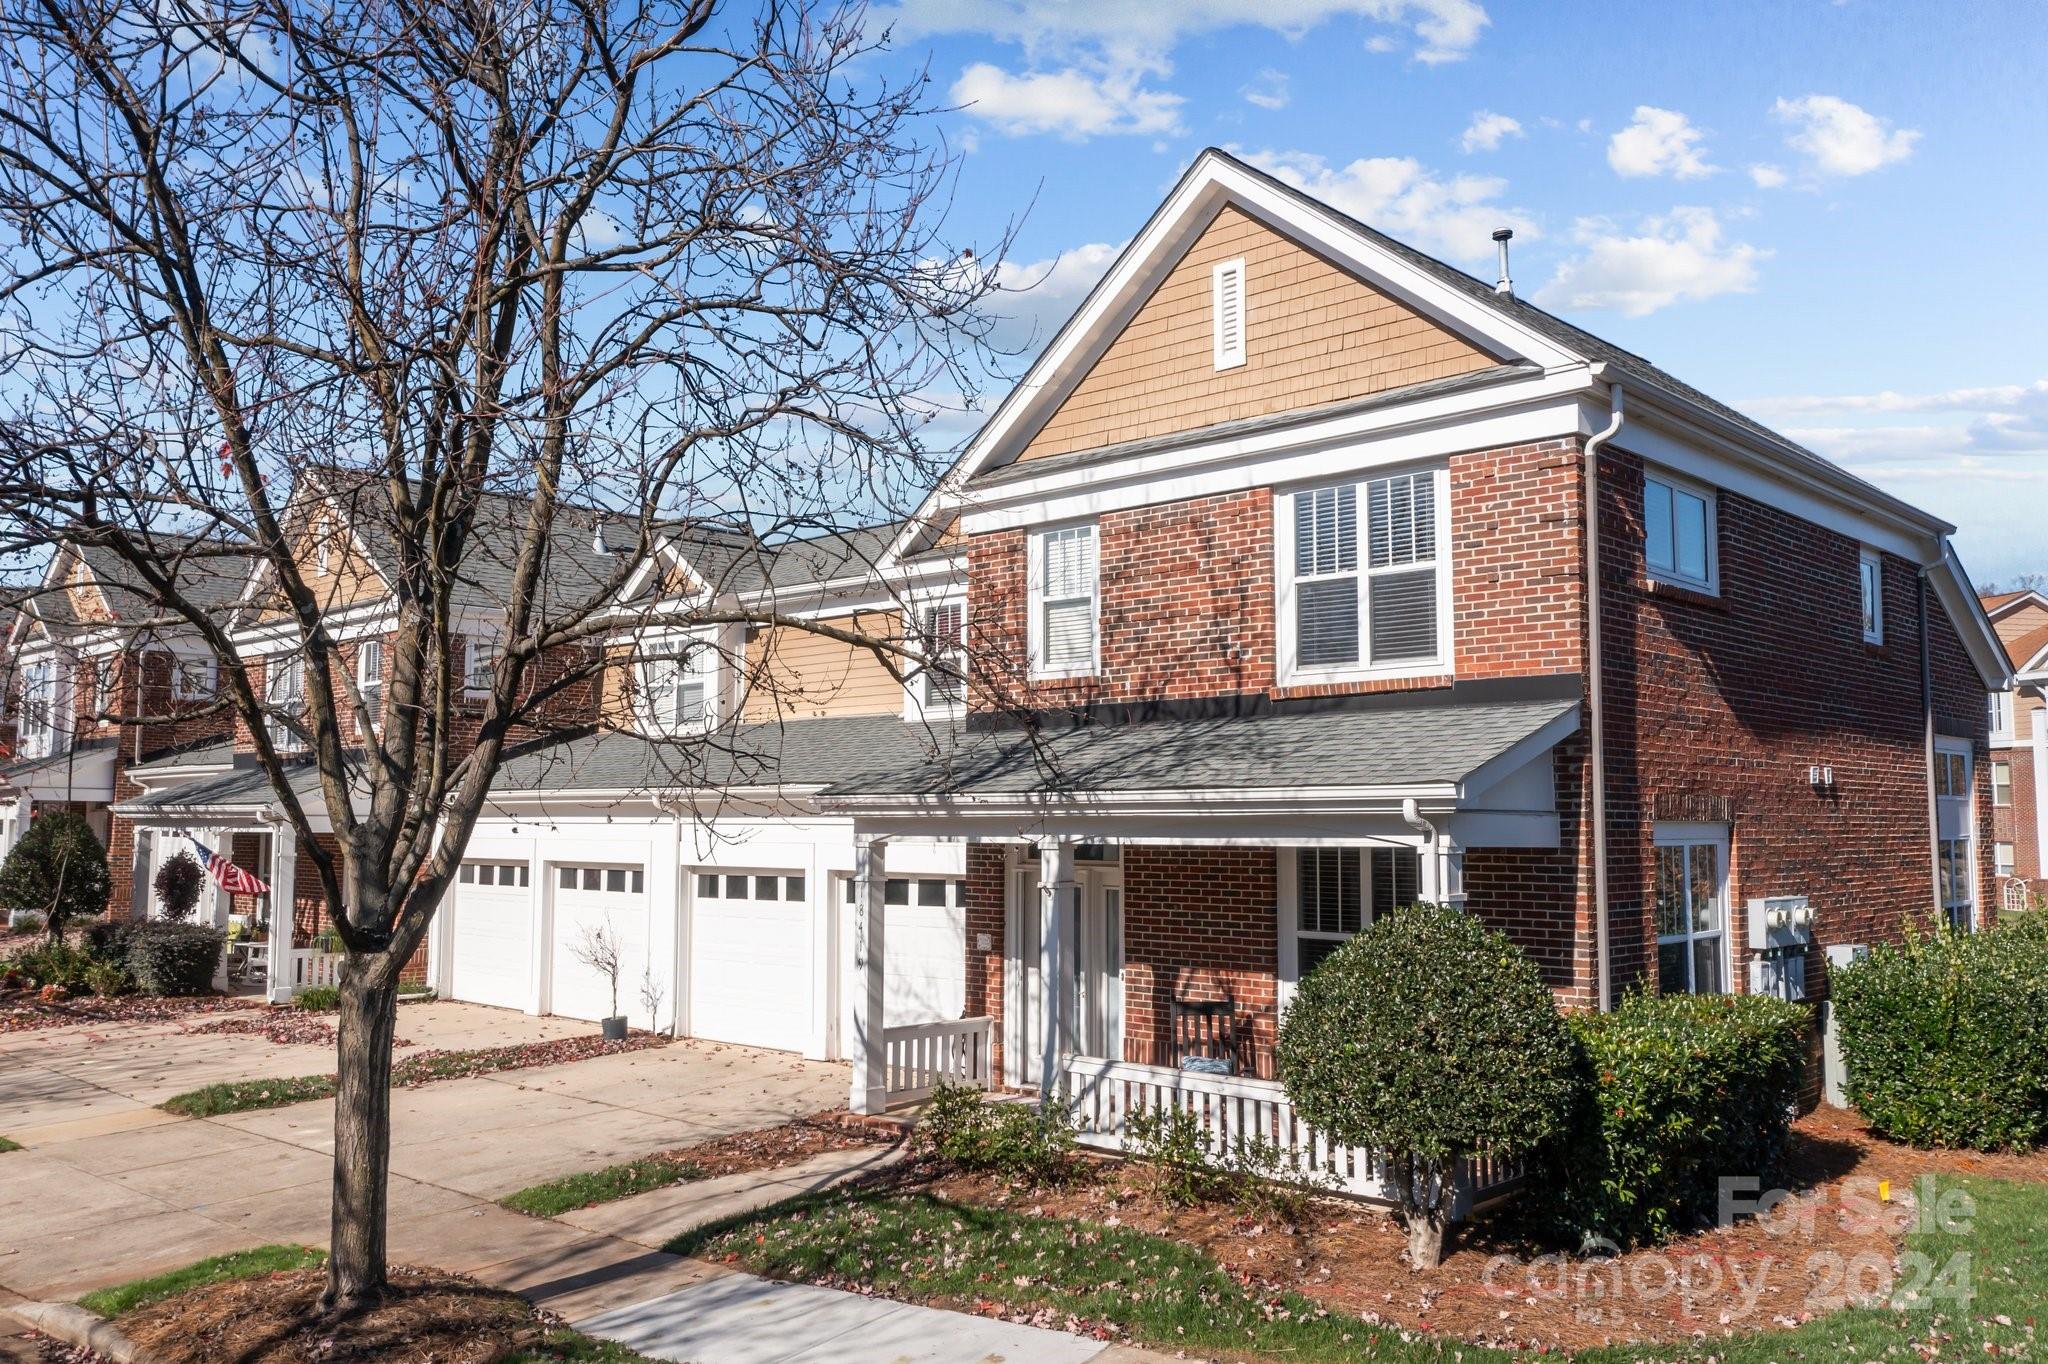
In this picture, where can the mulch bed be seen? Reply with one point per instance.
(429, 1316)
(771, 1148)
(285, 1027)
(23, 1011)
(1498, 1287)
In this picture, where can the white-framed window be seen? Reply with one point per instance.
(1330, 895)
(193, 679)
(493, 874)
(675, 689)
(479, 661)
(1692, 908)
(370, 677)
(1065, 602)
(1678, 532)
(2001, 715)
(1364, 578)
(1870, 574)
(284, 689)
(749, 885)
(929, 891)
(36, 721)
(1954, 833)
(605, 880)
(2003, 853)
(103, 683)
(1227, 309)
(942, 633)
(2001, 783)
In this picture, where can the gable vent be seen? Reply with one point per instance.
(1227, 290)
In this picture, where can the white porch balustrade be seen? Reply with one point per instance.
(922, 1056)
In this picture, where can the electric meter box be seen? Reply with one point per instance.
(1780, 921)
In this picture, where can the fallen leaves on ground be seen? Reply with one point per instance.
(23, 1011)
(286, 1027)
(771, 1148)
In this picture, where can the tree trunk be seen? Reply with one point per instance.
(362, 1137)
(1427, 1190)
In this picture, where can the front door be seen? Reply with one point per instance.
(1098, 986)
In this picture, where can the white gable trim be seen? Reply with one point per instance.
(2028, 598)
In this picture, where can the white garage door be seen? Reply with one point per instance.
(750, 959)
(589, 901)
(491, 961)
(924, 946)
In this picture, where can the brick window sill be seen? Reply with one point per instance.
(1655, 587)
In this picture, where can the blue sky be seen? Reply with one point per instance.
(1831, 214)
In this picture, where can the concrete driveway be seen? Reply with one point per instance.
(109, 1188)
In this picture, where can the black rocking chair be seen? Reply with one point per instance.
(1205, 1033)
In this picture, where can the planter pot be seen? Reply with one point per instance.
(614, 1029)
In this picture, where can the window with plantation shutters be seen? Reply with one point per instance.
(1366, 575)
(1226, 284)
(675, 693)
(370, 676)
(1339, 891)
(943, 627)
(1064, 586)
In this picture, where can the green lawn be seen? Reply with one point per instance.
(239, 1096)
(243, 1264)
(588, 1189)
(1167, 1295)
(6, 1145)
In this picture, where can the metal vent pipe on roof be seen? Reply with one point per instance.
(1501, 237)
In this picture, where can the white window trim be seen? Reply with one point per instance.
(482, 638)
(1228, 356)
(1996, 803)
(2000, 709)
(701, 656)
(1711, 584)
(39, 688)
(372, 693)
(1869, 570)
(1035, 598)
(914, 704)
(1287, 912)
(181, 692)
(1679, 833)
(2003, 858)
(1943, 749)
(1289, 671)
(282, 736)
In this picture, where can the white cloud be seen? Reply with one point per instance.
(1142, 32)
(1271, 91)
(1036, 297)
(1381, 43)
(1767, 176)
(1680, 257)
(1840, 138)
(1998, 419)
(1450, 216)
(1659, 142)
(1486, 130)
(1072, 103)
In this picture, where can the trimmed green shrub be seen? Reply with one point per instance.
(178, 883)
(1678, 1092)
(54, 961)
(107, 939)
(1946, 1037)
(174, 959)
(1432, 1038)
(1252, 1173)
(108, 979)
(1016, 1141)
(58, 870)
(318, 999)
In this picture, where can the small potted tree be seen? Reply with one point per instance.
(599, 950)
(178, 883)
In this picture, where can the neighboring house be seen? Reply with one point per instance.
(2019, 749)
(102, 680)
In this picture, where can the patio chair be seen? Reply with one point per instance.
(1205, 1036)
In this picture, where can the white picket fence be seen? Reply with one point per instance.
(919, 1057)
(1103, 1095)
(311, 968)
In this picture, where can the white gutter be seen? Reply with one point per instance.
(1596, 749)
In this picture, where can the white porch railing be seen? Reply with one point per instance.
(1104, 1094)
(311, 967)
(919, 1057)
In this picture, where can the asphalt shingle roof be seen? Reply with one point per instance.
(24, 766)
(206, 574)
(1421, 744)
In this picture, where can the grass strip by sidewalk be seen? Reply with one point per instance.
(242, 1264)
(424, 1067)
(1157, 1292)
(6, 1145)
(589, 1188)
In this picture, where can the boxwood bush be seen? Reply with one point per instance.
(1676, 1092)
(1946, 1037)
(174, 959)
(1430, 1037)
(1014, 1141)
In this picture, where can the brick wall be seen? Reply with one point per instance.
(2018, 824)
(192, 722)
(1187, 606)
(988, 880)
(1199, 925)
(1717, 707)
(1543, 898)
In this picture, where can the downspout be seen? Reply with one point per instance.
(1596, 744)
(1411, 815)
(1927, 742)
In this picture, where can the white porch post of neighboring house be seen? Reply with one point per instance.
(284, 866)
(870, 1058)
(1060, 893)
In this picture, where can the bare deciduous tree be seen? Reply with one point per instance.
(522, 288)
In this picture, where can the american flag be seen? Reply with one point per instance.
(229, 876)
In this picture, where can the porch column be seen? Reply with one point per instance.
(870, 1061)
(284, 866)
(1060, 893)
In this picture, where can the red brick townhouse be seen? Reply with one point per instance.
(1308, 576)
(89, 648)
(2019, 750)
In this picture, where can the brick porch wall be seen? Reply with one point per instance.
(1198, 925)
